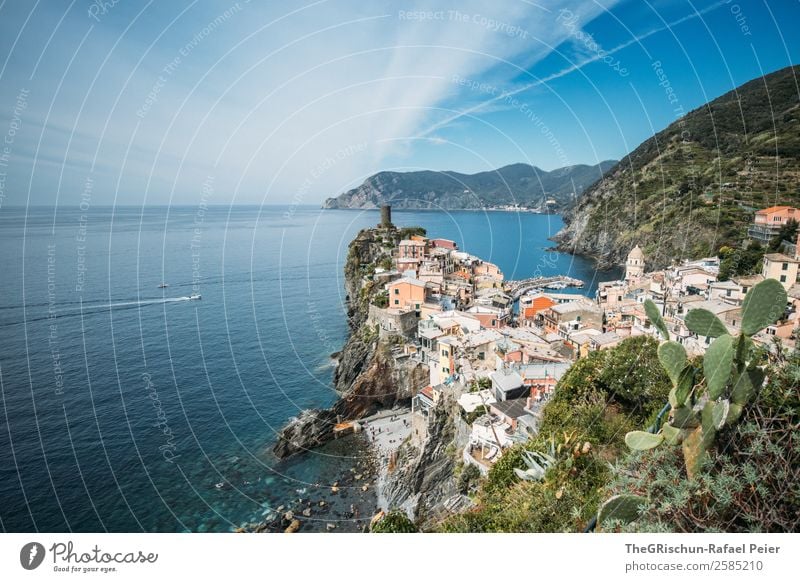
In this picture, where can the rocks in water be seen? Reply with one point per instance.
(293, 526)
(330, 526)
(334, 489)
(288, 516)
(322, 503)
(307, 512)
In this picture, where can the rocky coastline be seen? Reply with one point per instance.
(410, 467)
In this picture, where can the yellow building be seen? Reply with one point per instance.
(780, 267)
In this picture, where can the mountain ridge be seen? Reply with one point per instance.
(514, 184)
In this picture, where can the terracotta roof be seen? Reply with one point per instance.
(772, 209)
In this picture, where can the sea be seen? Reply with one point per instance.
(127, 404)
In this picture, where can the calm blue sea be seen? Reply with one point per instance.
(125, 407)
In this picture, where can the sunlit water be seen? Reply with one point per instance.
(126, 407)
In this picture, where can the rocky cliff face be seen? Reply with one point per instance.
(423, 483)
(368, 378)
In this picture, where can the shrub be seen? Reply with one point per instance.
(468, 479)
(394, 522)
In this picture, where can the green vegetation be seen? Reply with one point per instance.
(409, 231)
(735, 262)
(471, 417)
(693, 187)
(381, 300)
(468, 479)
(752, 483)
(520, 184)
(394, 522)
(601, 398)
(708, 397)
(726, 459)
(788, 232)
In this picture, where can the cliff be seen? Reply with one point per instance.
(424, 484)
(522, 184)
(694, 186)
(368, 377)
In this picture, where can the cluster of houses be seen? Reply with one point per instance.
(501, 359)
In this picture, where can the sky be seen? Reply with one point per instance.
(129, 102)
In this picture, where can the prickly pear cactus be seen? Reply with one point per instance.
(700, 410)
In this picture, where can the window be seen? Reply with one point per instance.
(396, 301)
(444, 353)
(785, 267)
(783, 278)
(396, 291)
(728, 293)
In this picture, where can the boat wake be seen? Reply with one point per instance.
(88, 308)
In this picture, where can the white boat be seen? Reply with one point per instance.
(195, 296)
(163, 285)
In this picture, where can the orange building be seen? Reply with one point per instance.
(406, 292)
(529, 306)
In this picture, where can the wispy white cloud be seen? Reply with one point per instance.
(267, 98)
(582, 57)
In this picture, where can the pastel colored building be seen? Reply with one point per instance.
(488, 270)
(406, 293)
(780, 267)
(443, 243)
(634, 265)
(769, 221)
(530, 305)
(411, 249)
(490, 317)
(447, 357)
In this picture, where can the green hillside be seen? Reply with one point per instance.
(694, 186)
(519, 184)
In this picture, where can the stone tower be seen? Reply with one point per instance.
(386, 216)
(634, 266)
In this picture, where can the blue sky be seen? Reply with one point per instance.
(292, 102)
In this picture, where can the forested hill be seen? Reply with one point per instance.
(694, 186)
(517, 184)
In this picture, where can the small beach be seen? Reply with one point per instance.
(386, 432)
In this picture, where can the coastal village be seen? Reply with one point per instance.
(498, 347)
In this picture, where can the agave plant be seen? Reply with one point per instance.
(538, 464)
(699, 410)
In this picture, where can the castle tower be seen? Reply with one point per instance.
(386, 216)
(634, 266)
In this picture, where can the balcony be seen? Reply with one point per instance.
(763, 232)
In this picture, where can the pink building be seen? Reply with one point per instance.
(444, 243)
(411, 249)
(768, 222)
